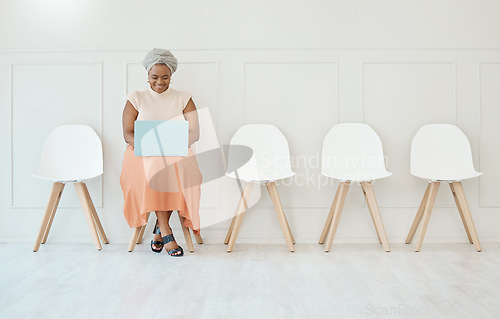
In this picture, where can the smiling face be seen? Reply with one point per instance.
(159, 78)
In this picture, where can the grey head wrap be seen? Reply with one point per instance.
(160, 56)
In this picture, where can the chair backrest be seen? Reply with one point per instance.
(270, 158)
(71, 153)
(441, 152)
(353, 152)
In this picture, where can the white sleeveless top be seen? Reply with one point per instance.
(163, 106)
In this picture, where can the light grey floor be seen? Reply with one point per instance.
(254, 281)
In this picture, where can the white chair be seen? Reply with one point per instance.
(352, 152)
(71, 154)
(269, 162)
(442, 153)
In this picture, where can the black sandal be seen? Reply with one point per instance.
(156, 230)
(170, 238)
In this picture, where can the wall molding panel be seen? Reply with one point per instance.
(402, 100)
(489, 151)
(310, 88)
(63, 93)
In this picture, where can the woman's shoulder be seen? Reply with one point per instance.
(182, 97)
(137, 93)
(180, 92)
(136, 98)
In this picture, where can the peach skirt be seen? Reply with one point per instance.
(161, 184)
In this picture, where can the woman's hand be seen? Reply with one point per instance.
(191, 115)
(129, 116)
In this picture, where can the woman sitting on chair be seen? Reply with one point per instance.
(160, 184)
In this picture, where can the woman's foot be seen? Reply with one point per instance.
(172, 244)
(157, 242)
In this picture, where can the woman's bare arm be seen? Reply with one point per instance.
(191, 115)
(128, 119)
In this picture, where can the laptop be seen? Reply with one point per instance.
(161, 138)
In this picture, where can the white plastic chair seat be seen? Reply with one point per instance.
(353, 152)
(270, 160)
(261, 178)
(442, 152)
(71, 153)
(442, 177)
(358, 176)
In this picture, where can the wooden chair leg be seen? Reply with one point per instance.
(371, 201)
(461, 212)
(419, 215)
(434, 187)
(198, 238)
(143, 229)
(135, 236)
(95, 217)
(337, 210)
(240, 211)
(289, 230)
(141, 234)
(88, 213)
(53, 213)
(273, 192)
(56, 191)
(328, 222)
(363, 188)
(284, 216)
(187, 234)
(459, 191)
(230, 230)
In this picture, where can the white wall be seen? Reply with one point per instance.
(302, 66)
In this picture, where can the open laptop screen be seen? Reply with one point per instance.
(161, 138)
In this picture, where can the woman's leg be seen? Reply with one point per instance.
(163, 221)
